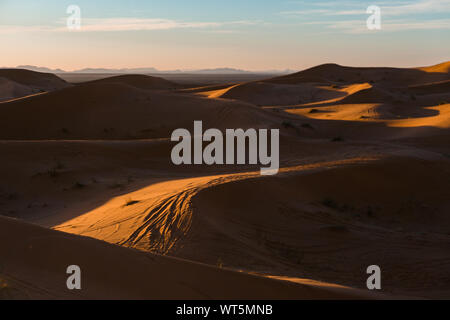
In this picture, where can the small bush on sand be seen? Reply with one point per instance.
(330, 203)
(287, 124)
(130, 202)
(79, 185)
(337, 139)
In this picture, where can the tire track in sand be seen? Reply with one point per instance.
(164, 213)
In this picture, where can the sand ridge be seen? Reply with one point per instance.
(39, 273)
(364, 179)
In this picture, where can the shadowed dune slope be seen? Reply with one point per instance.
(35, 80)
(369, 95)
(380, 100)
(117, 111)
(388, 76)
(270, 94)
(431, 88)
(10, 90)
(34, 263)
(331, 82)
(140, 82)
(17, 83)
(333, 223)
(326, 222)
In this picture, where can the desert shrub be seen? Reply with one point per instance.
(59, 165)
(78, 185)
(130, 202)
(370, 211)
(287, 124)
(307, 126)
(53, 173)
(117, 185)
(330, 203)
(12, 196)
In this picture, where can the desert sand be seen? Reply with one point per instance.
(364, 179)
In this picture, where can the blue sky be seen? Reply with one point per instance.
(252, 34)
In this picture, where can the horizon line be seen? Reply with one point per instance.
(229, 69)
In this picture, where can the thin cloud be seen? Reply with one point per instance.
(306, 12)
(10, 29)
(395, 16)
(358, 27)
(135, 24)
(388, 8)
(424, 6)
(126, 24)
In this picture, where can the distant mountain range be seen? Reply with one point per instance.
(153, 70)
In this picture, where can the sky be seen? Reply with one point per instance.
(243, 34)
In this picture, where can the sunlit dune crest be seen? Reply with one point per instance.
(441, 68)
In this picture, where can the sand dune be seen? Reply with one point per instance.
(386, 76)
(332, 83)
(36, 80)
(17, 83)
(369, 95)
(431, 88)
(376, 122)
(442, 120)
(118, 111)
(269, 94)
(139, 81)
(378, 100)
(154, 218)
(37, 259)
(10, 90)
(347, 112)
(310, 209)
(214, 92)
(354, 88)
(364, 180)
(205, 90)
(315, 224)
(440, 68)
